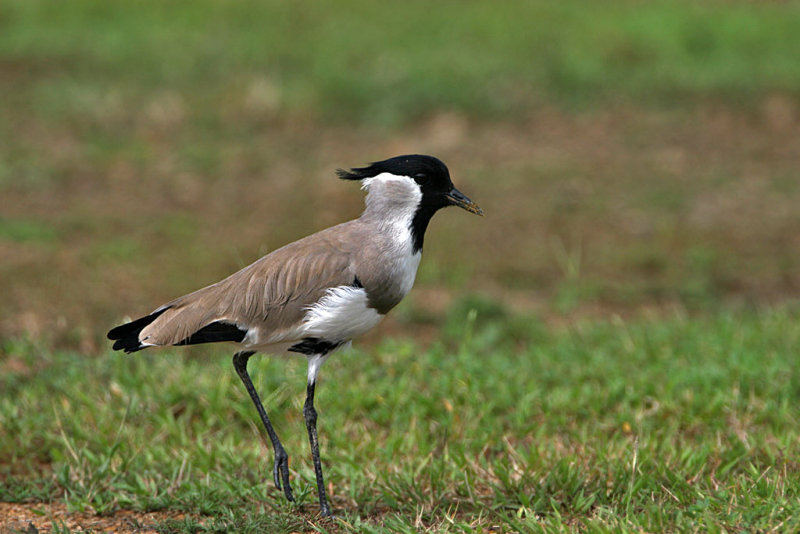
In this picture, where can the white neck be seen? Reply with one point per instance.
(392, 202)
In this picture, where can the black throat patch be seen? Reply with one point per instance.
(419, 224)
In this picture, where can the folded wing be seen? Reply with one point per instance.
(262, 304)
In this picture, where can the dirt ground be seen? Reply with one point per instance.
(622, 211)
(41, 517)
(613, 210)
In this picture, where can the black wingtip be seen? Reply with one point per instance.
(126, 336)
(128, 345)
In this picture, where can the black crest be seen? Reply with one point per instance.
(420, 168)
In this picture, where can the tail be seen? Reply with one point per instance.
(126, 336)
(173, 331)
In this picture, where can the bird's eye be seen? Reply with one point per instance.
(421, 178)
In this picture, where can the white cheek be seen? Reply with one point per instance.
(403, 187)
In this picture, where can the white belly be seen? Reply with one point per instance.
(342, 314)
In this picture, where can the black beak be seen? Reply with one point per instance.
(457, 198)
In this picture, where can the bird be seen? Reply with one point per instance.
(312, 297)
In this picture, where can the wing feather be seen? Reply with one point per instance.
(270, 295)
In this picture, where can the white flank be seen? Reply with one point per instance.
(342, 314)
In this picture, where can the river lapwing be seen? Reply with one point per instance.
(315, 295)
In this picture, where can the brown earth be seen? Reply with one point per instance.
(627, 211)
(41, 517)
(616, 211)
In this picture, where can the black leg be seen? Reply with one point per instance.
(281, 467)
(310, 415)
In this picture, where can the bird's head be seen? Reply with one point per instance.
(421, 180)
(405, 191)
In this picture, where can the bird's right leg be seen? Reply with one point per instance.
(280, 471)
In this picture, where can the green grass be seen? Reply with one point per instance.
(673, 425)
(25, 231)
(382, 64)
(636, 156)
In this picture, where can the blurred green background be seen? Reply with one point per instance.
(633, 284)
(639, 157)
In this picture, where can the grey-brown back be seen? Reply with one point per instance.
(273, 294)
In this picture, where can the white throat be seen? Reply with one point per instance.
(392, 202)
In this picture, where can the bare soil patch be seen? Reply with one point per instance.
(605, 212)
(42, 517)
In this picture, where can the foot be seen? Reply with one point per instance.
(280, 473)
(325, 511)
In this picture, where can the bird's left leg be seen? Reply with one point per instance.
(280, 471)
(310, 415)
